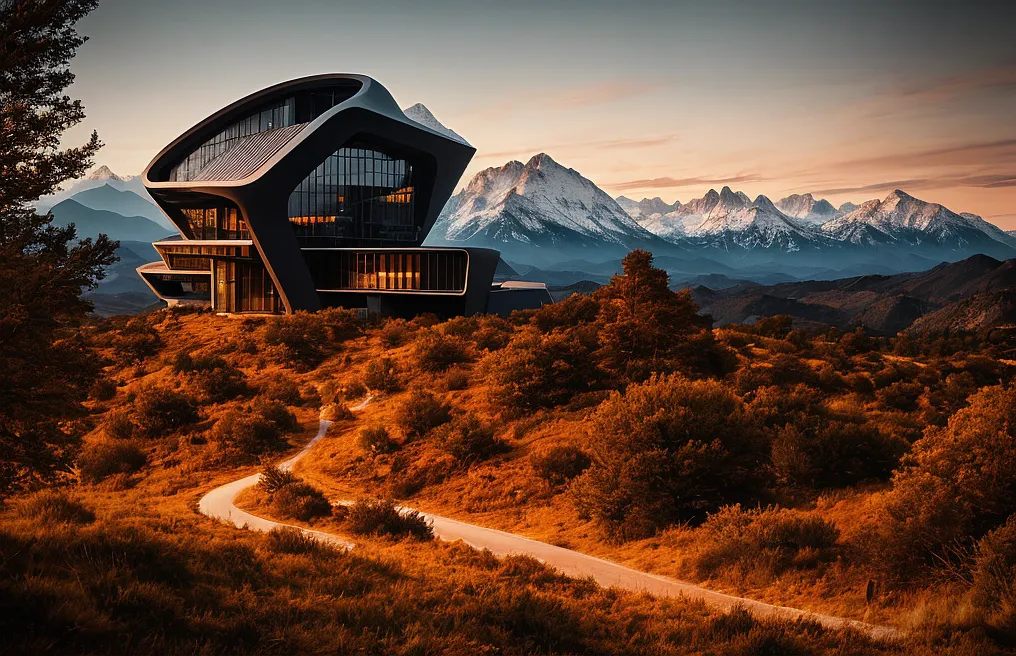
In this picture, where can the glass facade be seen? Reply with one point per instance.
(356, 197)
(216, 223)
(244, 286)
(428, 271)
(279, 114)
(188, 256)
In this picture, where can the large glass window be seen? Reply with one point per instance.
(356, 197)
(216, 223)
(182, 255)
(244, 287)
(280, 114)
(429, 271)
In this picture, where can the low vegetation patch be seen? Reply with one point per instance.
(290, 497)
(761, 543)
(421, 412)
(101, 459)
(55, 507)
(380, 517)
(375, 440)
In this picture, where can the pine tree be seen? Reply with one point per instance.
(44, 365)
(643, 324)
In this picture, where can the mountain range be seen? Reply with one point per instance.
(975, 293)
(542, 213)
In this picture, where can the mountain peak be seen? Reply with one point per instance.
(420, 114)
(103, 173)
(763, 202)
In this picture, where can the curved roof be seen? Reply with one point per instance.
(253, 153)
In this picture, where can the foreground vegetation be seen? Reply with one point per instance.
(868, 478)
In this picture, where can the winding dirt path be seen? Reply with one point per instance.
(219, 504)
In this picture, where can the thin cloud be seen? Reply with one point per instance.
(599, 93)
(947, 88)
(991, 181)
(1002, 151)
(604, 144)
(671, 183)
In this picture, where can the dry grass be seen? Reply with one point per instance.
(391, 596)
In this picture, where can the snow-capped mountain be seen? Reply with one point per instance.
(804, 207)
(105, 174)
(424, 117)
(100, 176)
(540, 211)
(900, 219)
(646, 207)
(731, 220)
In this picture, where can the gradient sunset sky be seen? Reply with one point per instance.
(847, 100)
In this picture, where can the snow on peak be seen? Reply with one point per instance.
(424, 117)
(104, 173)
(901, 218)
(805, 208)
(538, 197)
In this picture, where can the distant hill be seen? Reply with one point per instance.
(977, 313)
(125, 203)
(90, 223)
(883, 304)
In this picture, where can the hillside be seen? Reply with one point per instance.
(884, 304)
(763, 473)
(91, 223)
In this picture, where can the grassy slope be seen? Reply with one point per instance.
(150, 574)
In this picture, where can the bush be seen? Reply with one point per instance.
(275, 478)
(300, 501)
(468, 439)
(375, 439)
(761, 541)
(958, 484)
(220, 383)
(575, 310)
(559, 464)
(456, 380)
(53, 507)
(297, 339)
(381, 517)
(135, 342)
(994, 576)
(290, 540)
(354, 390)
(394, 333)
(669, 450)
(102, 389)
(282, 389)
(100, 460)
(257, 430)
(901, 395)
(159, 410)
(492, 333)
(536, 371)
(381, 375)
(118, 424)
(436, 352)
(336, 412)
(420, 412)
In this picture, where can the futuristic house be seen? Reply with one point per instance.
(314, 193)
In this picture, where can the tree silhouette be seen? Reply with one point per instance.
(44, 366)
